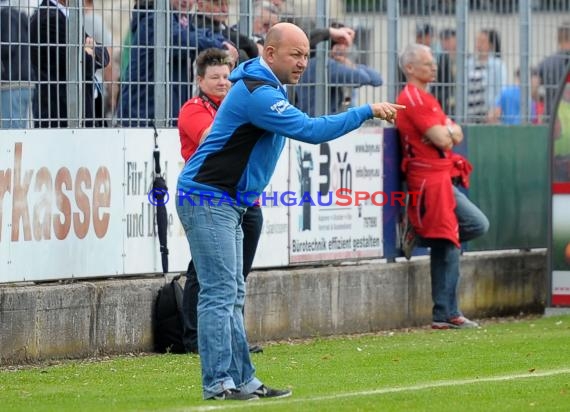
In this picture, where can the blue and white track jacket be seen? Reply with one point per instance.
(239, 156)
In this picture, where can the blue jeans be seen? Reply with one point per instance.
(216, 243)
(15, 107)
(251, 226)
(444, 262)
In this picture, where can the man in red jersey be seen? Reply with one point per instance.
(444, 217)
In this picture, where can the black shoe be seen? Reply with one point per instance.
(255, 349)
(266, 392)
(234, 395)
(191, 349)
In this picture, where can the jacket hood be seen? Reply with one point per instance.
(252, 69)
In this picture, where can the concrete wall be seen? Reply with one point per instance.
(115, 316)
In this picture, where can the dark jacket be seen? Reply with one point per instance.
(48, 38)
(444, 88)
(339, 75)
(137, 99)
(14, 46)
(551, 71)
(246, 46)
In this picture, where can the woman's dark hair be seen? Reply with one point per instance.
(494, 41)
(212, 57)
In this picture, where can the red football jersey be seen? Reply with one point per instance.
(422, 112)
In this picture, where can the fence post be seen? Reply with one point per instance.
(321, 87)
(461, 16)
(161, 64)
(524, 66)
(393, 52)
(75, 60)
(245, 19)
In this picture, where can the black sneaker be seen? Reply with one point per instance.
(234, 395)
(266, 392)
(255, 349)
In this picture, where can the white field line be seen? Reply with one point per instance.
(222, 405)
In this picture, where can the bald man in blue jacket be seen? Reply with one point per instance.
(225, 175)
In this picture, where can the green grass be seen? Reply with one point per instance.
(505, 366)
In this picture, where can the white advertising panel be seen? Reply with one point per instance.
(60, 204)
(272, 248)
(142, 249)
(75, 203)
(336, 197)
(560, 252)
(561, 285)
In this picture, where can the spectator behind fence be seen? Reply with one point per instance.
(445, 217)
(265, 15)
(343, 76)
(336, 33)
(106, 78)
(425, 34)
(280, 4)
(561, 135)
(137, 102)
(444, 88)
(211, 19)
(17, 75)
(213, 68)
(486, 77)
(237, 159)
(553, 68)
(507, 108)
(48, 38)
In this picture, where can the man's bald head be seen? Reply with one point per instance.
(282, 32)
(286, 51)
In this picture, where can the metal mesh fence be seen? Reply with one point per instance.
(129, 63)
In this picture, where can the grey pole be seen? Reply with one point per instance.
(161, 63)
(524, 65)
(321, 96)
(245, 21)
(75, 60)
(461, 15)
(393, 30)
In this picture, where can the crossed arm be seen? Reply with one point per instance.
(445, 137)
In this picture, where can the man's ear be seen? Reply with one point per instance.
(269, 53)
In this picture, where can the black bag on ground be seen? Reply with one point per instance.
(168, 318)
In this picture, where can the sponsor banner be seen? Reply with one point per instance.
(559, 254)
(561, 188)
(75, 203)
(561, 232)
(60, 204)
(561, 287)
(336, 198)
(272, 247)
(142, 248)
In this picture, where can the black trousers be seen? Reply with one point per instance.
(251, 226)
